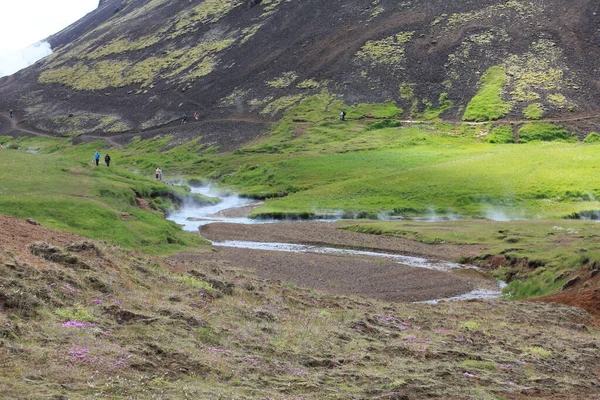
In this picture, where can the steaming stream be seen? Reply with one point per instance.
(192, 217)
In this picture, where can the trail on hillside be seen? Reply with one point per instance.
(171, 126)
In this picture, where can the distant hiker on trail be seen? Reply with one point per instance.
(97, 158)
(196, 116)
(343, 115)
(10, 113)
(184, 119)
(159, 174)
(107, 160)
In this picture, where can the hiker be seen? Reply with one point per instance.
(196, 116)
(343, 115)
(159, 174)
(107, 160)
(97, 158)
(184, 119)
(10, 113)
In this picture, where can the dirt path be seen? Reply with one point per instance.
(367, 276)
(16, 126)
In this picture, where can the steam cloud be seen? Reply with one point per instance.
(14, 62)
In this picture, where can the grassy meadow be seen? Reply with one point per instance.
(71, 194)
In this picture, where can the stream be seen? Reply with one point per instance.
(229, 210)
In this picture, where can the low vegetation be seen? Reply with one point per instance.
(488, 105)
(131, 326)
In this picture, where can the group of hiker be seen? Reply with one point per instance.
(158, 174)
(185, 117)
(106, 159)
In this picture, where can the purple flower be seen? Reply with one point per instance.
(70, 289)
(75, 324)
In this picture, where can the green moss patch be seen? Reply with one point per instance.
(487, 105)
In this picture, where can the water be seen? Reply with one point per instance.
(300, 248)
(191, 217)
(477, 294)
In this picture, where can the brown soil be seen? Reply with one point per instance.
(589, 300)
(16, 234)
(360, 275)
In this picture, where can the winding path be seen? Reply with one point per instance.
(16, 125)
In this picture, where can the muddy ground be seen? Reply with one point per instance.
(367, 276)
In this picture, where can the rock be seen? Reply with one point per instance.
(594, 273)
(570, 283)
(32, 221)
(83, 246)
(580, 327)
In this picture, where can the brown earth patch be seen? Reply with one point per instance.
(367, 276)
(589, 300)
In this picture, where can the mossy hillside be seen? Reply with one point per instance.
(97, 202)
(388, 51)
(183, 64)
(534, 257)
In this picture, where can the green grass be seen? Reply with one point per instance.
(501, 135)
(65, 193)
(534, 111)
(432, 113)
(487, 105)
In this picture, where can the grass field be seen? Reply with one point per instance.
(98, 202)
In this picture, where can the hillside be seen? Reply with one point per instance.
(81, 319)
(135, 65)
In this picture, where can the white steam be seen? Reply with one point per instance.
(11, 63)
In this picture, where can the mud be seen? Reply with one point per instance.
(358, 274)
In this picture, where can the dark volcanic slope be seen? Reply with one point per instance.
(137, 64)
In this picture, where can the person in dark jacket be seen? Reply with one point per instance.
(107, 160)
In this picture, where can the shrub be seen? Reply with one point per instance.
(544, 132)
(501, 134)
(593, 137)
